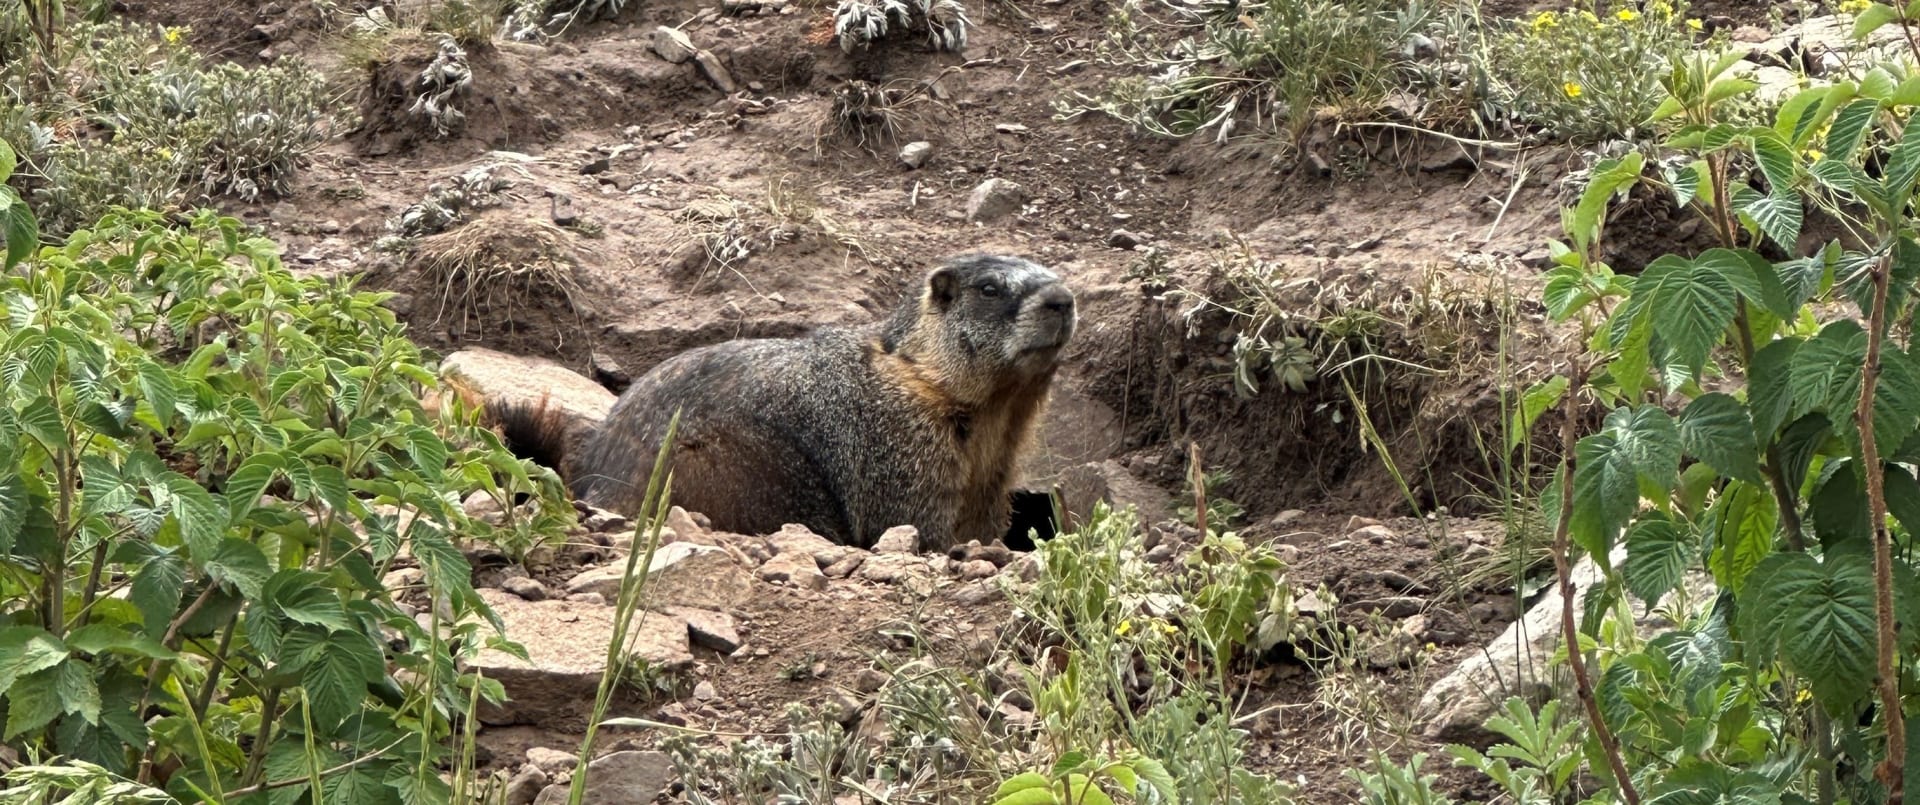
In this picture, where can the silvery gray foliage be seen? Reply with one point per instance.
(441, 84)
(947, 25)
(447, 202)
(858, 23)
(526, 23)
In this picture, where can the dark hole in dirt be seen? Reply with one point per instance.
(1032, 521)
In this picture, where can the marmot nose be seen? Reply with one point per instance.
(1057, 299)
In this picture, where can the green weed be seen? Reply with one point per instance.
(198, 508)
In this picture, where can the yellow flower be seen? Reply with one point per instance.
(1627, 15)
(1854, 6)
(1588, 16)
(173, 35)
(1168, 628)
(1545, 20)
(1814, 154)
(1572, 89)
(1662, 8)
(1802, 695)
(1694, 25)
(1124, 627)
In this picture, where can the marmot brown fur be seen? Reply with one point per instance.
(918, 419)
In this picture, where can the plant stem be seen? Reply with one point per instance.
(1890, 772)
(257, 756)
(1784, 495)
(93, 582)
(1569, 629)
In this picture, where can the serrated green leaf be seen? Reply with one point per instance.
(428, 452)
(1716, 429)
(1745, 522)
(1820, 618)
(1776, 161)
(1837, 509)
(32, 703)
(1825, 371)
(99, 638)
(1629, 366)
(1873, 19)
(1029, 796)
(156, 591)
(14, 506)
(1605, 491)
(1848, 128)
(360, 785)
(1753, 277)
(1799, 442)
(1024, 781)
(41, 420)
(1770, 387)
(1082, 790)
(241, 564)
(158, 388)
(79, 695)
(246, 484)
(202, 518)
(19, 230)
(336, 679)
(1533, 403)
(1691, 306)
(1896, 398)
(1567, 291)
(1778, 215)
(1658, 550)
(1903, 497)
(1650, 440)
(27, 650)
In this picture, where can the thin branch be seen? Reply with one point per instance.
(1891, 772)
(1569, 628)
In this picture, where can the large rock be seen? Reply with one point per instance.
(797, 569)
(671, 44)
(566, 644)
(682, 574)
(506, 379)
(1516, 662)
(619, 778)
(706, 627)
(994, 199)
(797, 539)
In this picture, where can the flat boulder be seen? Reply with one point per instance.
(503, 379)
(618, 778)
(682, 574)
(566, 643)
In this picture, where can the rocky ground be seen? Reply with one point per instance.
(637, 193)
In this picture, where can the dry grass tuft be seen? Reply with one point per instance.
(492, 266)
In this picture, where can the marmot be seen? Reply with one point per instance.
(918, 419)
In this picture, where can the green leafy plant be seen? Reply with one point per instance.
(1763, 413)
(1586, 74)
(1539, 759)
(1078, 778)
(1391, 784)
(197, 510)
(136, 118)
(1280, 63)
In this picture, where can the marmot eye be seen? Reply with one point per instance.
(989, 289)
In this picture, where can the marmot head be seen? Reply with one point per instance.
(987, 321)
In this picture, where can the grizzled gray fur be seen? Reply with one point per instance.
(917, 419)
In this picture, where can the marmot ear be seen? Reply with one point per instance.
(942, 288)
